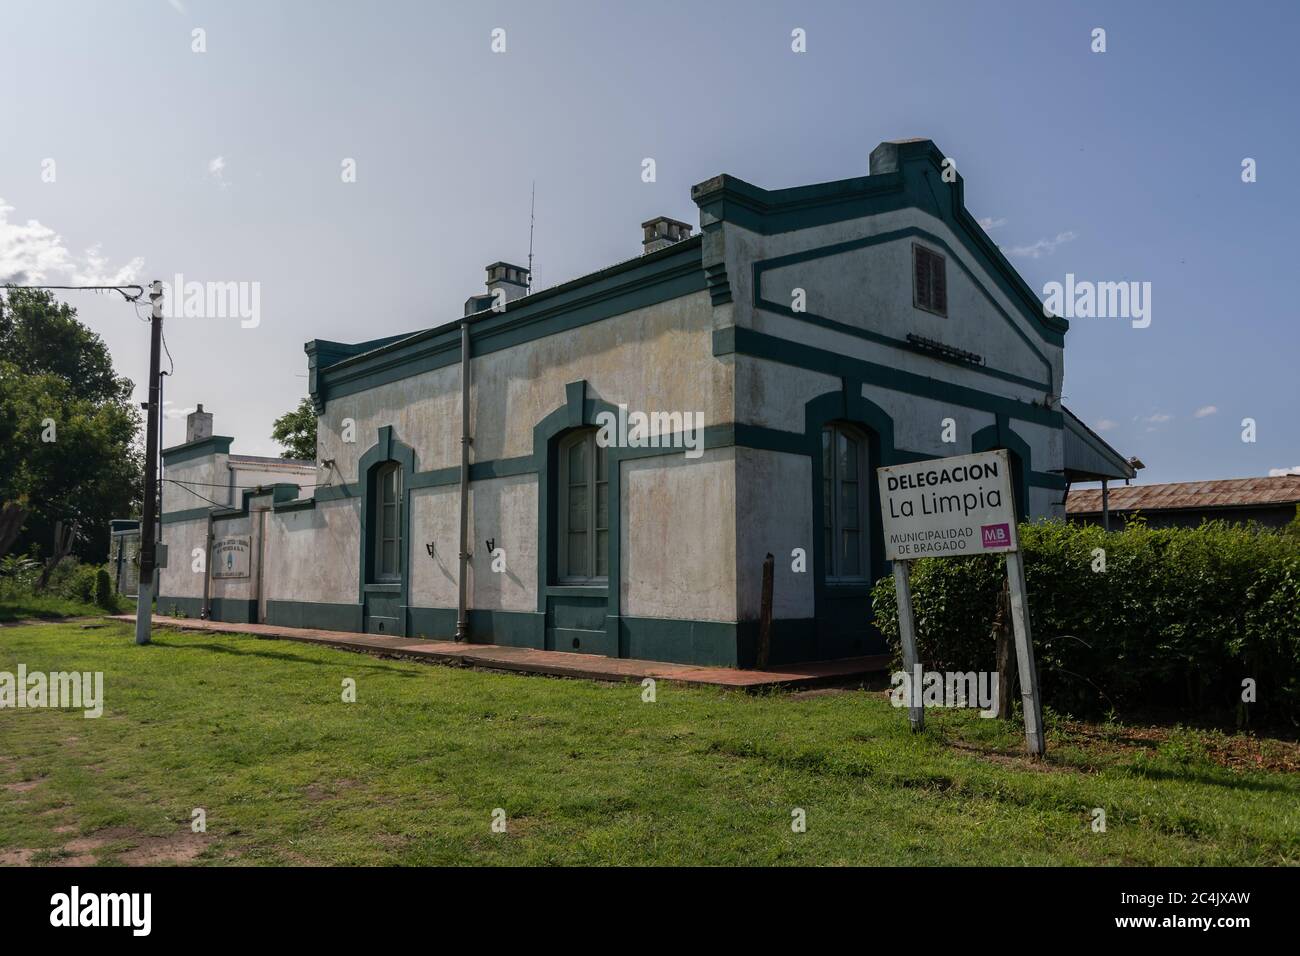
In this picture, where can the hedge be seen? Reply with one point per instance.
(1177, 620)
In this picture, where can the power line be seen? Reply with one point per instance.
(120, 289)
(214, 484)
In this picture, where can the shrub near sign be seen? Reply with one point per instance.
(948, 507)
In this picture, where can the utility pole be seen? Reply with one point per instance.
(148, 551)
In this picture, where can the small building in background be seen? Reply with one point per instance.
(1270, 501)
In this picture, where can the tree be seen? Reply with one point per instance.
(296, 432)
(68, 428)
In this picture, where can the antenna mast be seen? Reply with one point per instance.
(532, 219)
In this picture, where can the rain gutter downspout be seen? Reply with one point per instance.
(462, 612)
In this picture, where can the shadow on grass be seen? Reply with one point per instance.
(1230, 782)
(279, 656)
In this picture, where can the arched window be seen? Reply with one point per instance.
(386, 523)
(844, 510)
(583, 509)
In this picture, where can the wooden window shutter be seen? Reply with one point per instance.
(938, 284)
(920, 278)
(929, 280)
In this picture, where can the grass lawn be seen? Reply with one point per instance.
(255, 732)
(21, 607)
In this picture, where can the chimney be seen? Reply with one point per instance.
(198, 425)
(510, 279)
(661, 232)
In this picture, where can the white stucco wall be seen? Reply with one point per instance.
(313, 554)
(774, 514)
(677, 543)
(656, 358)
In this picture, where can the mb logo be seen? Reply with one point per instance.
(995, 535)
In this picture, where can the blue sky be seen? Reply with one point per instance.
(225, 165)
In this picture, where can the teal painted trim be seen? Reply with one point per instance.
(1045, 479)
(503, 468)
(787, 352)
(385, 449)
(214, 445)
(281, 492)
(302, 504)
(719, 286)
(190, 514)
(338, 492)
(228, 610)
(724, 341)
(706, 643)
(324, 617)
(322, 353)
(648, 280)
(1000, 435)
(191, 607)
(903, 175)
(233, 610)
(578, 411)
(766, 265)
(799, 640)
(847, 405)
(487, 626)
(508, 628)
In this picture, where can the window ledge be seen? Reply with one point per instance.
(578, 590)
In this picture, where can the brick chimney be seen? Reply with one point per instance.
(510, 279)
(662, 232)
(198, 425)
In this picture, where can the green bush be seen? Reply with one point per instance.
(1178, 619)
(74, 581)
(104, 596)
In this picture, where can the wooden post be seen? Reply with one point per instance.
(764, 649)
(907, 633)
(1004, 650)
(1029, 697)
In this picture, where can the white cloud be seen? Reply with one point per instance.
(176, 412)
(177, 6)
(1205, 411)
(991, 222)
(217, 169)
(1159, 418)
(1043, 247)
(34, 254)
(1105, 425)
(1279, 472)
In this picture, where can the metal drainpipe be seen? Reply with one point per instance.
(207, 574)
(462, 612)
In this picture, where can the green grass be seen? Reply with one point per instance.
(255, 733)
(20, 607)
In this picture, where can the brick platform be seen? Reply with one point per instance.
(553, 663)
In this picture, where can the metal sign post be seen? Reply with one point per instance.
(907, 633)
(1029, 699)
(951, 508)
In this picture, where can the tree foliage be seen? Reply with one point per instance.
(296, 432)
(68, 426)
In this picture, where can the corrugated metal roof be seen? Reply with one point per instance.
(1219, 493)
